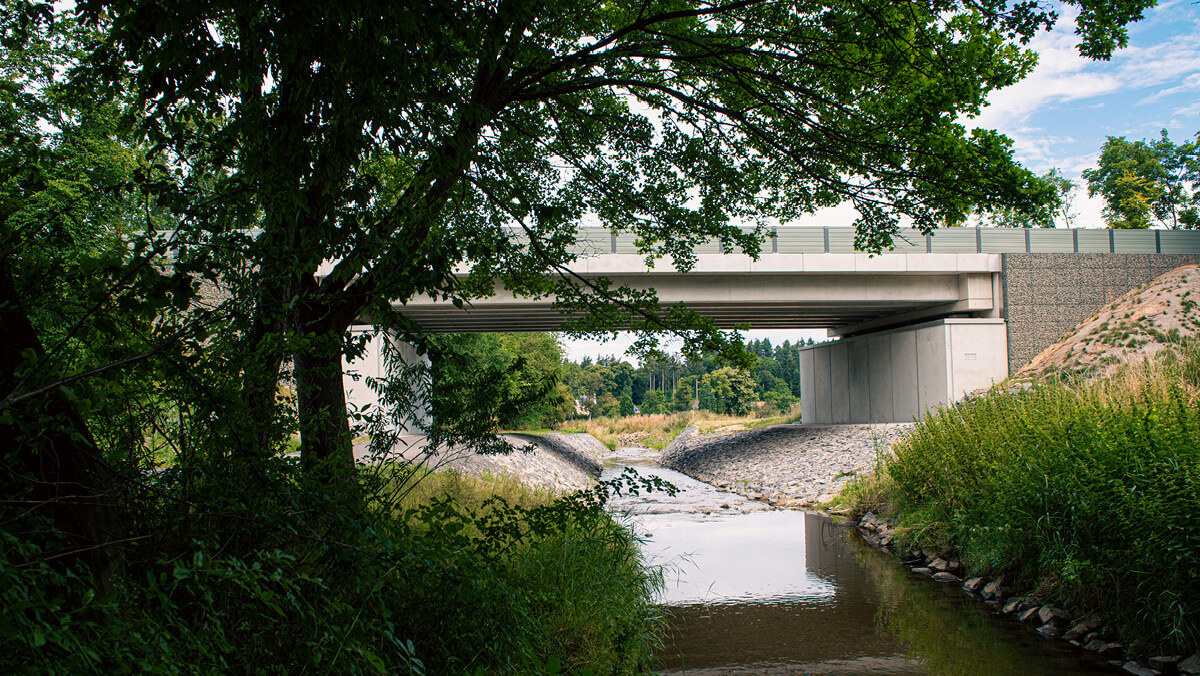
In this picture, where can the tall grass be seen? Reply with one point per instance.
(456, 576)
(1089, 492)
(658, 429)
(550, 577)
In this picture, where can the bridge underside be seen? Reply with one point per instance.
(776, 292)
(500, 318)
(906, 319)
(919, 328)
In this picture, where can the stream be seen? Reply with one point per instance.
(753, 590)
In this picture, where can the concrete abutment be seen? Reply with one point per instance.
(379, 361)
(898, 374)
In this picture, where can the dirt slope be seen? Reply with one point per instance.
(1129, 329)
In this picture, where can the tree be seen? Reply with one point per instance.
(482, 381)
(73, 300)
(1128, 177)
(1059, 208)
(652, 402)
(707, 399)
(1143, 179)
(627, 401)
(780, 397)
(686, 393)
(399, 161)
(732, 390)
(1179, 205)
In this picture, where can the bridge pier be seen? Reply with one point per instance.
(898, 374)
(377, 362)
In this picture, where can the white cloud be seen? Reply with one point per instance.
(1062, 76)
(1191, 109)
(1189, 83)
(1068, 102)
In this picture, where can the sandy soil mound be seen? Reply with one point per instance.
(1131, 328)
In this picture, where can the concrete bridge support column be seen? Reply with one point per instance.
(376, 363)
(897, 375)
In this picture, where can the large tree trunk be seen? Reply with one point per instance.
(326, 450)
(261, 373)
(49, 457)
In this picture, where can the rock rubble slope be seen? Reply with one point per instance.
(555, 462)
(783, 465)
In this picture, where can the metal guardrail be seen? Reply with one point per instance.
(802, 239)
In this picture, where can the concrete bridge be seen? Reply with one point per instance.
(918, 326)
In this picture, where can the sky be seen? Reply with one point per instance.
(1059, 116)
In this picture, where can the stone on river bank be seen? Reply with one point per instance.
(796, 465)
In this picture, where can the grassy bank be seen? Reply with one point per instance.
(657, 430)
(454, 575)
(1086, 492)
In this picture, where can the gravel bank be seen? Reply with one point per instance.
(783, 465)
(555, 462)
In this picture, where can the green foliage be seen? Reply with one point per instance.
(459, 581)
(685, 393)
(1089, 491)
(1140, 180)
(707, 399)
(781, 397)
(670, 382)
(731, 390)
(653, 402)
(625, 404)
(1058, 207)
(511, 381)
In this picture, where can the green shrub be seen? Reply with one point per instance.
(1088, 491)
(449, 581)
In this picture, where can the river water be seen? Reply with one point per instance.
(751, 590)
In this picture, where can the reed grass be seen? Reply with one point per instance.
(1089, 491)
(551, 578)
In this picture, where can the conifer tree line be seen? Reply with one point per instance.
(611, 387)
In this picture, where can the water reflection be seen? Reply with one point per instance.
(953, 635)
(708, 562)
(784, 592)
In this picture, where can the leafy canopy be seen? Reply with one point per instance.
(1144, 180)
(329, 161)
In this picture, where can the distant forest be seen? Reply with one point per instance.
(536, 386)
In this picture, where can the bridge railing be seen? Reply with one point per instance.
(807, 239)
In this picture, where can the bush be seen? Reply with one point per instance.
(450, 579)
(1089, 491)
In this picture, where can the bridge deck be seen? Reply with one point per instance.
(809, 277)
